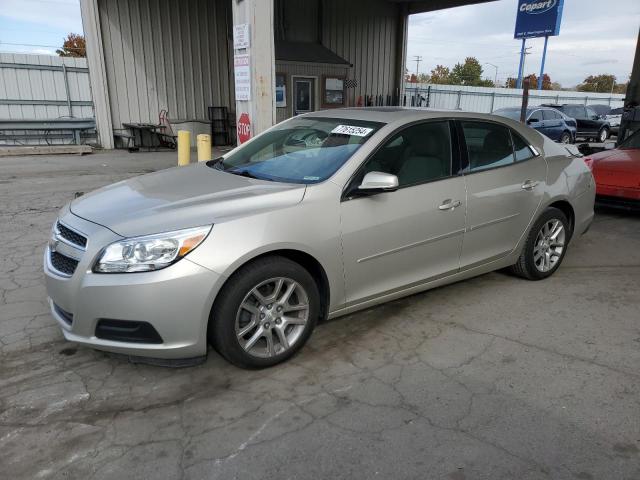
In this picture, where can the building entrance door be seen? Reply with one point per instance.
(303, 96)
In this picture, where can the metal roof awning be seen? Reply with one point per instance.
(420, 6)
(307, 52)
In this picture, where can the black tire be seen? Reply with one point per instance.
(565, 138)
(603, 134)
(525, 267)
(222, 322)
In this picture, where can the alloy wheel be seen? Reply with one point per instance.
(272, 317)
(549, 245)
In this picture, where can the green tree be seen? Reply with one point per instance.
(74, 46)
(440, 75)
(603, 83)
(467, 73)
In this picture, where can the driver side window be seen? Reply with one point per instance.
(418, 154)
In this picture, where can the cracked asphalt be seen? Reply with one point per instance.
(491, 378)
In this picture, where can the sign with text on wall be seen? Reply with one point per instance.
(241, 38)
(242, 73)
(538, 18)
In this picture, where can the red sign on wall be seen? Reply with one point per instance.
(244, 128)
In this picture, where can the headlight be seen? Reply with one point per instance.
(151, 252)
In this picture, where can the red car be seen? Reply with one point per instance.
(617, 174)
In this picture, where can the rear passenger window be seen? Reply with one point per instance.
(521, 148)
(418, 154)
(488, 145)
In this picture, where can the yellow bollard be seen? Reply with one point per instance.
(204, 147)
(184, 148)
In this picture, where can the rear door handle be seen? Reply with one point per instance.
(449, 204)
(529, 185)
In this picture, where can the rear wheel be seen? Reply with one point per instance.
(265, 313)
(565, 137)
(545, 246)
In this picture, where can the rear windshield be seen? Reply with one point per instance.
(301, 150)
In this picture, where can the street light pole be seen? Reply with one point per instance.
(495, 80)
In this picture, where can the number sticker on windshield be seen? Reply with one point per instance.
(352, 130)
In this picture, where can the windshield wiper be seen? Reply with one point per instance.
(248, 174)
(217, 163)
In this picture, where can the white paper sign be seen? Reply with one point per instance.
(352, 130)
(241, 37)
(242, 74)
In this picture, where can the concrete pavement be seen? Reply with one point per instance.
(491, 378)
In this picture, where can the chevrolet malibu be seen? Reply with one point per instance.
(320, 216)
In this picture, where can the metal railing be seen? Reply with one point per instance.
(486, 100)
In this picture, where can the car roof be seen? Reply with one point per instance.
(405, 115)
(393, 114)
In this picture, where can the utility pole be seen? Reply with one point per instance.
(417, 59)
(524, 51)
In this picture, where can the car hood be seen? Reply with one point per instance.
(617, 160)
(181, 197)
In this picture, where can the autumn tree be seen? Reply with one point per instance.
(547, 84)
(467, 73)
(440, 75)
(74, 46)
(604, 83)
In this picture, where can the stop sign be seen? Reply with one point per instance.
(244, 128)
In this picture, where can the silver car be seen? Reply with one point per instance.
(320, 216)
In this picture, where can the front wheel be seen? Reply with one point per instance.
(565, 137)
(264, 313)
(545, 246)
(603, 135)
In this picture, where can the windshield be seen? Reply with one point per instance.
(302, 150)
(512, 113)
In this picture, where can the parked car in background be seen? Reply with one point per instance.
(590, 125)
(322, 215)
(614, 117)
(548, 121)
(617, 174)
(611, 115)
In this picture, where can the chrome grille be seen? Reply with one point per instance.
(66, 248)
(63, 264)
(71, 235)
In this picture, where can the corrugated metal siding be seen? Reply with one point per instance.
(305, 70)
(35, 85)
(365, 33)
(165, 54)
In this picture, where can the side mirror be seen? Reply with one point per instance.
(376, 182)
(533, 120)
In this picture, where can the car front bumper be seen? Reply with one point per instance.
(176, 301)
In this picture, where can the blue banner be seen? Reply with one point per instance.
(538, 18)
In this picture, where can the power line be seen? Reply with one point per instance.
(39, 46)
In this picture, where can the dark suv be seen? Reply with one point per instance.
(590, 124)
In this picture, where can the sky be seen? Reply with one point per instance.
(596, 36)
(38, 26)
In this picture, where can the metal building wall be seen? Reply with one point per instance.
(33, 87)
(365, 33)
(166, 54)
(309, 70)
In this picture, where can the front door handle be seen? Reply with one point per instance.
(449, 204)
(529, 185)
